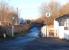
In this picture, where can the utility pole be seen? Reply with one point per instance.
(13, 18)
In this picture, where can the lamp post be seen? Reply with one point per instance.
(48, 14)
(13, 18)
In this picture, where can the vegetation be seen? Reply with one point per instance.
(55, 9)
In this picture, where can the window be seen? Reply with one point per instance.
(66, 24)
(65, 28)
(61, 22)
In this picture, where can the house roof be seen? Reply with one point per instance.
(64, 16)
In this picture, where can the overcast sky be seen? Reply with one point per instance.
(29, 9)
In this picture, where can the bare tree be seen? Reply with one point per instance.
(53, 8)
(7, 12)
(64, 9)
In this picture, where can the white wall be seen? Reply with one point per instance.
(59, 30)
(56, 27)
(43, 31)
(61, 33)
(66, 34)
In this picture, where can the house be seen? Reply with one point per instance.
(57, 25)
(62, 26)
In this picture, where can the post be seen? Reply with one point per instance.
(12, 31)
(4, 35)
(46, 30)
(13, 18)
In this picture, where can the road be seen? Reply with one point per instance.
(47, 44)
(15, 44)
(32, 42)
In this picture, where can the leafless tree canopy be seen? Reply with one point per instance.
(53, 8)
(7, 12)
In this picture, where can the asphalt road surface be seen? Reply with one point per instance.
(32, 42)
(18, 42)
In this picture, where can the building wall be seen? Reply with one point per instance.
(48, 31)
(62, 27)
